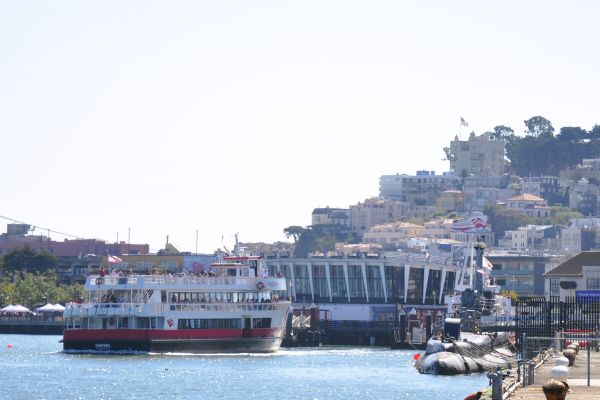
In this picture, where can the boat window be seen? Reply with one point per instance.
(231, 272)
(261, 323)
(143, 322)
(224, 323)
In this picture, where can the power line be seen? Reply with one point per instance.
(39, 227)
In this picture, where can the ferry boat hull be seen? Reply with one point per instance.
(96, 341)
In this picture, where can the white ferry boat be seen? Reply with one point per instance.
(235, 308)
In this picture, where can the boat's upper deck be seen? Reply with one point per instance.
(187, 282)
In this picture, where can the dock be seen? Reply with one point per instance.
(32, 325)
(578, 378)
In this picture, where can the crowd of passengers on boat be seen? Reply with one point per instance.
(218, 273)
(200, 297)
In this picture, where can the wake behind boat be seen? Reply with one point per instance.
(236, 307)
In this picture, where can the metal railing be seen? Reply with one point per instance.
(110, 309)
(535, 347)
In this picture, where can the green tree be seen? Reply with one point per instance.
(321, 238)
(503, 133)
(560, 216)
(294, 231)
(504, 219)
(539, 126)
(33, 290)
(26, 259)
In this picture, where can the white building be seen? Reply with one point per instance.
(579, 273)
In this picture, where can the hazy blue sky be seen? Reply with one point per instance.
(242, 116)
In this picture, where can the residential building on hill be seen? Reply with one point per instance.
(543, 239)
(546, 187)
(479, 156)
(419, 191)
(393, 233)
(584, 197)
(375, 211)
(328, 216)
(477, 198)
(450, 200)
(532, 206)
(589, 168)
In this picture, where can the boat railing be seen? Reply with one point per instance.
(175, 280)
(109, 309)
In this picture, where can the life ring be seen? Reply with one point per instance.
(260, 286)
(111, 321)
(99, 281)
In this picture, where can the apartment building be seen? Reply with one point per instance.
(479, 156)
(375, 211)
(420, 190)
(532, 206)
(329, 216)
(450, 200)
(546, 187)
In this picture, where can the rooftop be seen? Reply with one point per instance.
(573, 266)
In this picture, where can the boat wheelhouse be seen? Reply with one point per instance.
(236, 307)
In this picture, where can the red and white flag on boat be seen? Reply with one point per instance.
(487, 265)
(114, 260)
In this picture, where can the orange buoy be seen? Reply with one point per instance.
(416, 356)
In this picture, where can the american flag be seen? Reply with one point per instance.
(463, 122)
(114, 260)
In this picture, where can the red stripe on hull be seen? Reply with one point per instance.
(147, 334)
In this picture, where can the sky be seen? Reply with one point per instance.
(142, 119)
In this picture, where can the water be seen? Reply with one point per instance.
(35, 368)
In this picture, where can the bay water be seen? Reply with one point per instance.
(34, 367)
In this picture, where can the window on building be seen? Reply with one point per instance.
(302, 282)
(338, 282)
(593, 283)
(554, 287)
(355, 280)
(320, 282)
(374, 281)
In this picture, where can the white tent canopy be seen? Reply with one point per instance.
(15, 309)
(47, 307)
(51, 308)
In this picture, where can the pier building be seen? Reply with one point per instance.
(353, 282)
